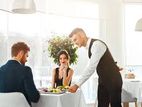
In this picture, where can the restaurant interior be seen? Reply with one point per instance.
(116, 22)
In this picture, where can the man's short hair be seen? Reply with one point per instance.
(75, 31)
(17, 47)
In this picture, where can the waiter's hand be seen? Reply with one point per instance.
(73, 88)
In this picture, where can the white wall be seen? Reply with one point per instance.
(111, 14)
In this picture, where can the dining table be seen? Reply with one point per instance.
(132, 92)
(66, 99)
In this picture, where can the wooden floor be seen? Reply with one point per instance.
(130, 105)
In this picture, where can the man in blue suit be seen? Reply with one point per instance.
(16, 77)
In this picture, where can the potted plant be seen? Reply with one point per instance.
(58, 43)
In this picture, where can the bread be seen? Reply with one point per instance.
(130, 76)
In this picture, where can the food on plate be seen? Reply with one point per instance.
(130, 75)
(58, 90)
(63, 87)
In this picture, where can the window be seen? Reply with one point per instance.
(133, 38)
(35, 29)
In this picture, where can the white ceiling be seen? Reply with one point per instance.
(50, 5)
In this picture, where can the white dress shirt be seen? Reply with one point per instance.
(98, 49)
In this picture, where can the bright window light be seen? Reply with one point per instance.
(133, 38)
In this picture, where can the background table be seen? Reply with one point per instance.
(133, 87)
(132, 92)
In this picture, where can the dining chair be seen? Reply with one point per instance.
(13, 99)
(127, 98)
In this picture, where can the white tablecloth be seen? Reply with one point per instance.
(132, 88)
(61, 100)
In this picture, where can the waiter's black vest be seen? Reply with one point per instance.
(107, 69)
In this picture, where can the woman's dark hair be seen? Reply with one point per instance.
(63, 52)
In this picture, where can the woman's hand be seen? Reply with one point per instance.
(62, 71)
(63, 67)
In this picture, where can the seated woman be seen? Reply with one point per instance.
(62, 75)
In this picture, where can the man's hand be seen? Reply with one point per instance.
(73, 88)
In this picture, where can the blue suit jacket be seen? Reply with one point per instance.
(15, 77)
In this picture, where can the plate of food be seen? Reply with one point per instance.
(58, 90)
(55, 91)
(63, 88)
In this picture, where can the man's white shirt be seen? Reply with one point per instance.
(98, 49)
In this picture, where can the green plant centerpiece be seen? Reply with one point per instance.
(58, 43)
